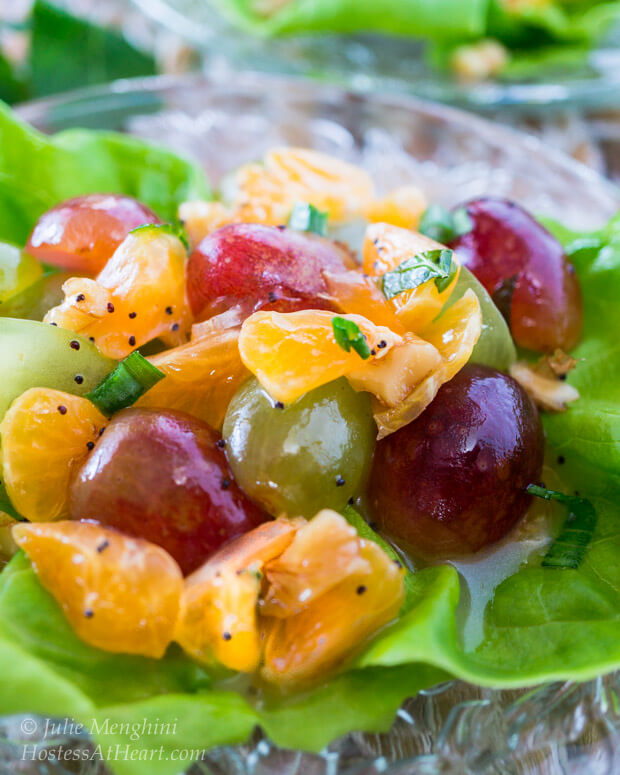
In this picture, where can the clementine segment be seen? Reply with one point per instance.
(403, 207)
(219, 616)
(119, 594)
(46, 434)
(302, 647)
(137, 297)
(385, 248)
(267, 192)
(454, 335)
(201, 377)
(292, 353)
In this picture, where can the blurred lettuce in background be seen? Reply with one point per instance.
(52, 50)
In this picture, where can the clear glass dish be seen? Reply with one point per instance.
(380, 63)
(454, 728)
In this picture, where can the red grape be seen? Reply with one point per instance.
(82, 233)
(524, 268)
(262, 267)
(160, 475)
(453, 481)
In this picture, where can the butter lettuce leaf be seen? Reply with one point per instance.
(37, 172)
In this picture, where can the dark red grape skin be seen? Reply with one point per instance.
(160, 475)
(453, 481)
(261, 267)
(81, 234)
(516, 258)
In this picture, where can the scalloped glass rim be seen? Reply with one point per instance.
(454, 727)
(380, 63)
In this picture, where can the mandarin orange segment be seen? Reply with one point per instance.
(385, 248)
(201, 377)
(454, 335)
(137, 297)
(200, 217)
(391, 379)
(119, 594)
(322, 554)
(295, 352)
(219, 619)
(302, 648)
(402, 206)
(266, 193)
(46, 434)
(357, 294)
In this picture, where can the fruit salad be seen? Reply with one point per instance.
(269, 455)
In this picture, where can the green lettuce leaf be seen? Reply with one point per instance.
(58, 64)
(439, 19)
(37, 172)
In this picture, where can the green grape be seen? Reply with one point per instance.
(20, 276)
(495, 348)
(309, 455)
(35, 354)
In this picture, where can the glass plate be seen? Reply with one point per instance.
(380, 63)
(454, 728)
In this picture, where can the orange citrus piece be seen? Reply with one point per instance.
(294, 352)
(322, 554)
(119, 594)
(454, 335)
(357, 294)
(401, 207)
(201, 377)
(385, 248)
(137, 297)
(266, 193)
(219, 617)
(301, 648)
(200, 217)
(391, 379)
(45, 435)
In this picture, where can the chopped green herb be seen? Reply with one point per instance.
(306, 217)
(445, 225)
(569, 548)
(349, 336)
(176, 229)
(124, 386)
(412, 272)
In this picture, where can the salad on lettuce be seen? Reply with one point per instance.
(474, 38)
(257, 476)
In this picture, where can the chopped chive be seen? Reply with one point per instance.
(124, 386)
(569, 548)
(445, 225)
(349, 336)
(306, 217)
(412, 272)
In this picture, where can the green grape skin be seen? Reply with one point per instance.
(36, 354)
(312, 454)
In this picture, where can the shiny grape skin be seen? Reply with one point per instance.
(541, 295)
(453, 481)
(261, 267)
(312, 454)
(81, 234)
(160, 475)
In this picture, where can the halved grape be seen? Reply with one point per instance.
(495, 347)
(312, 454)
(454, 480)
(161, 475)
(82, 233)
(20, 275)
(35, 354)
